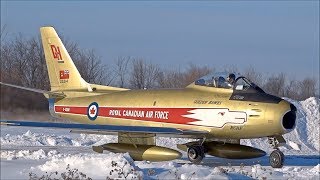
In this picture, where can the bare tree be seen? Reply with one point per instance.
(23, 63)
(42, 83)
(20, 59)
(152, 73)
(6, 62)
(292, 89)
(143, 75)
(194, 72)
(3, 33)
(171, 79)
(230, 68)
(254, 76)
(35, 65)
(177, 79)
(92, 69)
(275, 84)
(89, 64)
(122, 70)
(308, 88)
(72, 47)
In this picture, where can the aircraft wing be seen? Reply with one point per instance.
(110, 129)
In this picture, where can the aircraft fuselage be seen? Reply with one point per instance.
(194, 109)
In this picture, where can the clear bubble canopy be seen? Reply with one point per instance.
(227, 80)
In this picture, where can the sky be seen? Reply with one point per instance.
(271, 36)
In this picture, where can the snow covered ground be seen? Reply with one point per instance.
(42, 152)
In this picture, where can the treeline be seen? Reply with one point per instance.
(23, 63)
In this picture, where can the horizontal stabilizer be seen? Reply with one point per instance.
(50, 93)
(108, 129)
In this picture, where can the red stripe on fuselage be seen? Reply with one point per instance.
(71, 110)
(168, 115)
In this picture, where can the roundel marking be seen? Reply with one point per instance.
(92, 111)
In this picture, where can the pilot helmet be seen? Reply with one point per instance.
(231, 76)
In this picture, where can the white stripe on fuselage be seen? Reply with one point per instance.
(216, 117)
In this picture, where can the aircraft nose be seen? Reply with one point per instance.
(289, 119)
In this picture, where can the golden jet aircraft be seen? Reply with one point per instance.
(216, 111)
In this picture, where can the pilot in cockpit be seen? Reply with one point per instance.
(221, 82)
(218, 80)
(231, 79)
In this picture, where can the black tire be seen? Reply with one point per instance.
(276, 159)
(195, 154)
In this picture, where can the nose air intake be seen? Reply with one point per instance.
(289, 119)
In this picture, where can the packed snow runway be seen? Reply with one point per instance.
(41, 151)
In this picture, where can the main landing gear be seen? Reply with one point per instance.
(196, 153)
(276, 158)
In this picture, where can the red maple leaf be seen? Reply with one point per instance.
(92, 111)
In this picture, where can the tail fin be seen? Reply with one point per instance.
(63, 74)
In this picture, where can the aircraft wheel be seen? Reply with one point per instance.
(276, 159)
(195, 154)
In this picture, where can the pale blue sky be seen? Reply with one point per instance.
(271, 36)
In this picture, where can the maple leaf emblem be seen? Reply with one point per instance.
(92, 111)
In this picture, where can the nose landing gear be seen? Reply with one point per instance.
(276, 158)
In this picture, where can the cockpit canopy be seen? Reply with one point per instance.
(227, 81)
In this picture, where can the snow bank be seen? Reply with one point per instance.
(316, 169)
(306, 133)
(311, 110)
(98, 166)
(188, 171)
(43, 139)
(27, 154)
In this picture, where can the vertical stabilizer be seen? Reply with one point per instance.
(63, 74)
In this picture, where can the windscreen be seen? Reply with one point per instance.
(243, 84)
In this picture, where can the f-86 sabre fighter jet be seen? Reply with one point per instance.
(215, 111)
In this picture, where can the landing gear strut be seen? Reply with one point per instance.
(276, 158)
(196, 154)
